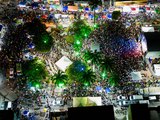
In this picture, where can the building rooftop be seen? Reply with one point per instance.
(153, 41)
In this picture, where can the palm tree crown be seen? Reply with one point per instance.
(59, 78)
(93, 57)
(107, 64)
(88, 77)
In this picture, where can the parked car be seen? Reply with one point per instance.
(59, 101)
(18, 69)
(143, 101)
(136, 97)
(120, 97)
(11, 73)
(124, 103)
(152, 98)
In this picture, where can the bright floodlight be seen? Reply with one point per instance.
(63, 63)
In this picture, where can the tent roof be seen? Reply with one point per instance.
(63, 63)
(136, 75)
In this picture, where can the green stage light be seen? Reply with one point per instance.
(77, 53)
(86, 83)
(95, 25)
(37, 85)
(78, 42)
(45, 41)
(60, 84)
(103, 75)
(38, 61)
(88, 61)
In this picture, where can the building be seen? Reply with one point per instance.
(6, 115)
(91, 113)
(150, 45)
(138, 112)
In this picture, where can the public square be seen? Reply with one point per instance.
(54, 56)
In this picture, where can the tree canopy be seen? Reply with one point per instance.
(34, 70)
(116, 15)
(35, 27)
(42, 39)
(80, 30)
(43, 42)
(93, 57)
(59, 78)
(76, 71)
(88, 77)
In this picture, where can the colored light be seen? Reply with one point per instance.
(103, 74)
(86, 84)
(61, 84)
(45, 41)
(95, 25)
(98, 88)
(25, 112)
(78, 42)
(77, 53)
(108, 90)
(88, 61)
(45, 109)
(37, 85)
(39, 61)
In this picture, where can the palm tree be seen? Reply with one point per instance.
(107, 64)
(59, 78)
(93, 57)
(95, 3)
(114, 79)
(80, 28)
(88, 77)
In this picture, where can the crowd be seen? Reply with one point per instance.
(124, 48)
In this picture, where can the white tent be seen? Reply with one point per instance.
(154, 54)
(36, 0)
(136, 76)
(63, 63)
(157, 69)
(147, 29)
(95, 47)
(57, 16)
(87, 101)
